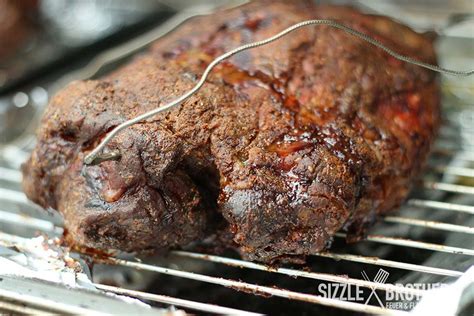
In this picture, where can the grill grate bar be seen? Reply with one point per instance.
(262, 290)
(389, 263)
(14, 196)
(300, 273)
(11, 175)
(21, 309)
(441, 205)
(19, 198)
(203, 307)
(314, 275)
(397, 241)
(448, 187)
(455, 171)
(8, 240)
(429, 224)
(47, 304)
(31, 222)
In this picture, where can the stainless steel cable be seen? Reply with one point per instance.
(93, 155)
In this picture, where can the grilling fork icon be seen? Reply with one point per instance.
(381, 277)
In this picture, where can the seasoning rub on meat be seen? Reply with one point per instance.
(283, 146)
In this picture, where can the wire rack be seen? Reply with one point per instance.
(442, 179)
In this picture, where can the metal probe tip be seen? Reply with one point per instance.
(93, 160)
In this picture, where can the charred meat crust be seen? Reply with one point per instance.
(286, 143)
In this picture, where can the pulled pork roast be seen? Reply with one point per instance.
(282, 147)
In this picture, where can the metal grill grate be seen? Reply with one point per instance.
(423, 212)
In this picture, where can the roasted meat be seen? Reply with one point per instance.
(282, 147)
